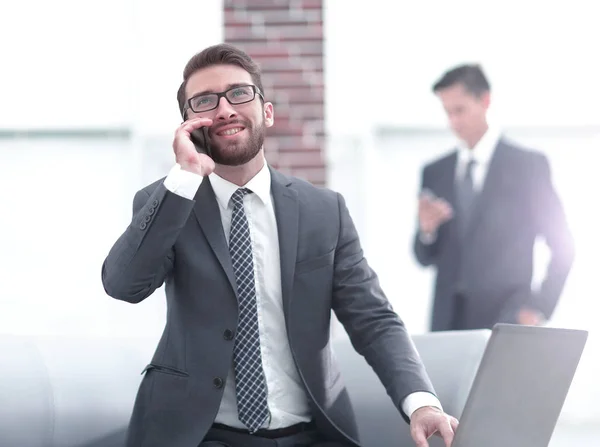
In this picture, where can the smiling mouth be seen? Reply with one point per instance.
(230, 131)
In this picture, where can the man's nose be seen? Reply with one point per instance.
(454, 121)
(225, 110)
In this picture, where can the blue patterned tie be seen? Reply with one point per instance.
(250, 384)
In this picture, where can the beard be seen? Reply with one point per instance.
(239, 153)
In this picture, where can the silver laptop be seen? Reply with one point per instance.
(520, 387)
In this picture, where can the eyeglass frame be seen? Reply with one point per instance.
(220, 95)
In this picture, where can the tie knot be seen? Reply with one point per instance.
(238, 196)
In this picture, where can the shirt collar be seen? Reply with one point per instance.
(260, 185)
(483, 150)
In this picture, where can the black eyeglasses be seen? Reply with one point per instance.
(235, 95)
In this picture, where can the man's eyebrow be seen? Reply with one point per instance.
(227, 87)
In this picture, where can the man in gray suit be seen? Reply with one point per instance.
(253, 262)
(481, 209)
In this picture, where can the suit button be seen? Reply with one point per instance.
(228, 334)
(143, 225)
(218, 382)
(147, 219)
(155, 204)
(151, 210)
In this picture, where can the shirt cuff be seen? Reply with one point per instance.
(183, 183)
(420, 399)
(427, 238)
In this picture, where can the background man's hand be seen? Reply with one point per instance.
(433, 212)
(427, 421)
(185, 151)
(530, 317)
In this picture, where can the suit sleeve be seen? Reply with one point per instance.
(551, 223)
(425, 251)
(375, 330)
(143, 256)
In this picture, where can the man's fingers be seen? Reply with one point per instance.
(442, 213)
(433, 214)
(419, 437)
(446, 432)
(444, 206)
(454, 424)
(447, 215)
(426, 205)
(195, 123)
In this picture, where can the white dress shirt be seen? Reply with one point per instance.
(287, 400)
(481, 154)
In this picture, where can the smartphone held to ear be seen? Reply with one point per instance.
(201, 140)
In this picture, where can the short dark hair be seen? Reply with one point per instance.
(221, 54)
(471, 76)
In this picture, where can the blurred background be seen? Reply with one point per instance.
(88, 109)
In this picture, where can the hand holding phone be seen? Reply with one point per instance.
(192, 146)
(433, 211)
(201, 139)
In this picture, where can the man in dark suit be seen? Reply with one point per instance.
(480, 211)
(253, 262)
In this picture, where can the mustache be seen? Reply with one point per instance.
(216, 128)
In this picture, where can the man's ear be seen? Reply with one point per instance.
(268, 114)
(486, 99)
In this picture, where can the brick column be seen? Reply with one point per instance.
(286, 39)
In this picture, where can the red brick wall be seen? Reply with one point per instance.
(286, 39)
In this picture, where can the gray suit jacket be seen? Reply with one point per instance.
(485, 277)
(181, 243)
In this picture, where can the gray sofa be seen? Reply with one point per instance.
(68, 391)
(79, 392)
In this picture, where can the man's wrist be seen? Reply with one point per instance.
(420, 399)
(192, 169)
(182, 182)
(428, 407)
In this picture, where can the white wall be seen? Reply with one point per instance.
(115, 63)
(540, 57)
(58, 54)
(113, 66)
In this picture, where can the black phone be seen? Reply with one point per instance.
(201, 140)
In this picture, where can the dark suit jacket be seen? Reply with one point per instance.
(181, 243)
(485, 277)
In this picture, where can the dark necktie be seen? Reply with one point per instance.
(250, 383)
(466, 193)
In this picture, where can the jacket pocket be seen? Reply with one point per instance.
(311, 264)
(164, 369)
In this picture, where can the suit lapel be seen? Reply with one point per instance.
(446, 178)
(207, 212)
(287, 214)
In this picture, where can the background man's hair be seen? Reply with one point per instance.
(471, 76)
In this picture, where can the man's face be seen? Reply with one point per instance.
(466, 112)
(238, 131)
